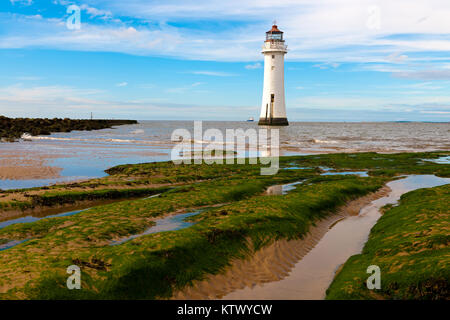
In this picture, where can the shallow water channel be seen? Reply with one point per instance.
(312, 275)
(45, 215)
(170, 223)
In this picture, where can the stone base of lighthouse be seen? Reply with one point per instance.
(273, 122)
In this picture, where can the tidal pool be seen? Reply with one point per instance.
(170, 223)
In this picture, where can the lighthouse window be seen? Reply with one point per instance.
(273, 67)
(274, 36)
(273, 56)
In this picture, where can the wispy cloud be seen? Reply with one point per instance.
(256, 65)
(397, 57)
(94, 12)
(327, 65)
(213, 73)
(74, 102)
(22, 2)
(424, 86)
(184, 89)
(435, 112)
(424, 74)
(122, 84)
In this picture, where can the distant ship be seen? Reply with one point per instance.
(251, 119)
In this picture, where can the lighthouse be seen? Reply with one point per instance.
(273, 109)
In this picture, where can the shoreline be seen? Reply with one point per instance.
(71, 156)
(44, 174)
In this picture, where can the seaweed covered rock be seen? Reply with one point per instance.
(13, 128)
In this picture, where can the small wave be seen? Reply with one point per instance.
(30, 137)
(324, 141)
(211, 142)
(26, 136)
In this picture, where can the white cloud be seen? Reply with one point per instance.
(94, 12)
(396, 57)
(443, 74)
(372, 103)
(256, 65)
(61, 101)
(47, 99)
(22, 2)
(122, 84)
(327, 30)
(435, 112)
(327, 65)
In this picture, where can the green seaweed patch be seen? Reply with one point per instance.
(410, 244)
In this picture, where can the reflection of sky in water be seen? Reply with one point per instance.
(343, 173)
(410, 183)
(441, 160)
(420, 181)
(11, 244)
(28, 219)
(171, 223)
(19, 184)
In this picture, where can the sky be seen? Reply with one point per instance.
(348, 60)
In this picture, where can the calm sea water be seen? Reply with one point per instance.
(84, 154)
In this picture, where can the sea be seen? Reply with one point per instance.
(86, 154)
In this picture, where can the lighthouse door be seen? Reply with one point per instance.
(272, 101)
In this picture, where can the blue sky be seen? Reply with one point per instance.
(352, 60)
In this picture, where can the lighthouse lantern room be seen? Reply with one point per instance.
(273, 109)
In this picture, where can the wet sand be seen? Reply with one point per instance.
(16, 165)
(28, 164)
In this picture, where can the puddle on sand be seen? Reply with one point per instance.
(313, 274)
(11, 244)
(171, 223)
(357, 173)
(440, 160)
(282, 189)
(153, 196)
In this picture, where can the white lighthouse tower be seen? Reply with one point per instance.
(273, 109)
